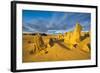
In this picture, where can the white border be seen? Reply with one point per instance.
(21, 65)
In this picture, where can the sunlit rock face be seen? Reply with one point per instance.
(67, 37)
(60, 36)
(39, 43)
(75, 37)
(84, 45)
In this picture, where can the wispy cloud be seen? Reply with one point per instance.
(59, 21)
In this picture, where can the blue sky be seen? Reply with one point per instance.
(51, 21)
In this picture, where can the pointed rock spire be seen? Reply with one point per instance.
(75, 38)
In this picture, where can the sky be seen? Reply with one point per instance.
(54, 22)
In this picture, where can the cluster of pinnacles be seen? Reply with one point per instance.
(72, 39)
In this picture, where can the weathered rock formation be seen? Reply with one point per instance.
(67, 37)
(60, 36)
(75, 38)
(38, 43)
(50, 43)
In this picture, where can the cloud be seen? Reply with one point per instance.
(58, 21)
(28, 29)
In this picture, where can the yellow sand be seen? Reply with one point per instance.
(74, 45)
(58, 52)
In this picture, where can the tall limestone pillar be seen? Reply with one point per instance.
(67, 37)
(75, 38)
(39, 43)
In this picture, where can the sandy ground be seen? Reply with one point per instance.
(58, 52)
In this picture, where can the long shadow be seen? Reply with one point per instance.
(62, 45)
(85, 36)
